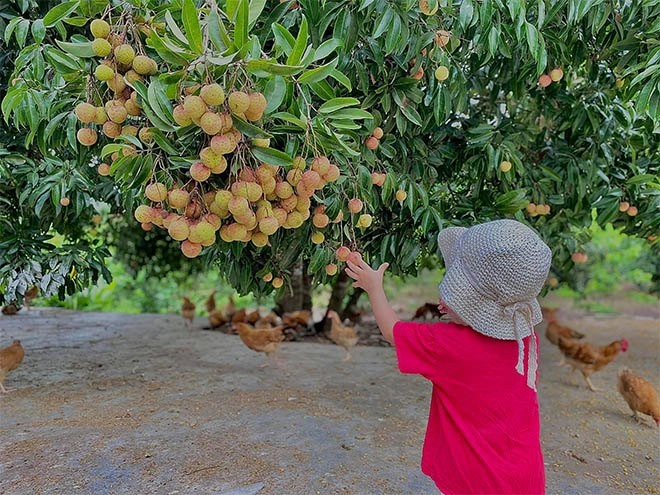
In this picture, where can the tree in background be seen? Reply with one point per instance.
(378, 122)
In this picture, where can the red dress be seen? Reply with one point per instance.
(483, 433)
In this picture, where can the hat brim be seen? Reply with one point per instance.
(481, 313)
(447, 239)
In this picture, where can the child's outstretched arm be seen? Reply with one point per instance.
(372, 282)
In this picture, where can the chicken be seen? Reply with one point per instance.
(30, 295)
(589, 358)
(216, 318)
(10, 309)
(238, 316)
(10, 359)
(210, 303)
(295, 318)
(426, 309)
(252, 317)
(640, 395)
(268, 321)
(230, 308)
(554, 329)
(266, 340)
(188, 312)
(341, 334)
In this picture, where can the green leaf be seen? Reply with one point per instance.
(80, 50)
(241, 24)
(191, 25)
(272, 156)
(174, 28)
(337, 104)
(248, 129)
(341, 79)
(62, 61)
(318, 74)
(326, 48)
(351, 114)
(38, 30)
(384, 22)
(272, 68)
(411, 114)
(283, 38)
(217, 31)
(292, 119)
(59, 12)
(256, 8)
(275, 91)
(300, 44)
(466, 14)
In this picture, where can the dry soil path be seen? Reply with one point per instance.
(126, 404)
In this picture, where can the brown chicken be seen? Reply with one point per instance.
(589, 358)
(341, 334)
(427, 309)
(268, 321)
(230, 308)
(10, 359)
(188, 312)
(210, 303)
(30, 295)
(238, 316)
(10, 309)
(295, 318)
(216, 318)
(266, 340)
(554, 329)
(640, 395)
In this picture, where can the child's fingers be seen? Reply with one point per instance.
(352, 274)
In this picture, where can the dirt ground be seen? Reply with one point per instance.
(126, 404)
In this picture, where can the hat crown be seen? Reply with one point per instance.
(505, 260)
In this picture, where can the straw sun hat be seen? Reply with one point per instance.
(495, 270)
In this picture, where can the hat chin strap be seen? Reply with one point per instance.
(521, 313)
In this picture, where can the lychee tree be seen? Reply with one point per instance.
(266, 136)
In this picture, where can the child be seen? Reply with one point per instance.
(483, 433)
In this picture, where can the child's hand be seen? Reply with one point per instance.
(366, 277)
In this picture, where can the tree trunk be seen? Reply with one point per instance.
(299, 296)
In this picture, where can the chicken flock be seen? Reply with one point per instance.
(265, 333)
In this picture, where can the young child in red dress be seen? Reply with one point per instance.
(483, 433)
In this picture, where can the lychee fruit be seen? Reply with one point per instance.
(124, 54)
(180, 116)
(331, 269)
(194, 106)
(86, 136)
(371, 143)
(191, 249)
(401, 195)
(355, 205)
(99, 28)
(85, 112)
(223, 144)
(199, 171)
(104, 72)
(212, 94)
(342, 253)
(101, 47)
(545, 80)
(178, 198)
(239, 102)
(378, 133)
(211, 123)
(145, 66)
(156, 191)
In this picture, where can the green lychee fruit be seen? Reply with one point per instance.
(146, 135)
(104, 73)
(239, 102)
(101, 47)
(124, 54)
(194, 106)
(212, 94)
(99, 28)
(144, 65)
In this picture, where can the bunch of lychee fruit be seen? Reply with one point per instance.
(535, 210)
(554, 75)
(121, 66)
(628, 209)
(252, 207)
(373, 141)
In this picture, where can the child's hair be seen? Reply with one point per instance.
(495, 270)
